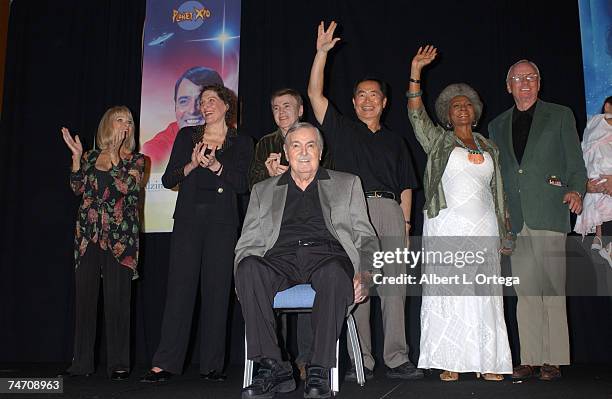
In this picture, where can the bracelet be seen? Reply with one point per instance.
(414, 80)
(218, 170)
(414, 94)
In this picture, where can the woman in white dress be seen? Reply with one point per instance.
(597, 153)
(462, 326)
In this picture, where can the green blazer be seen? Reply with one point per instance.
(553, 149)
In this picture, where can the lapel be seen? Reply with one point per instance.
(326, 197)
(507, 129)
(540, 119)
(279, 196)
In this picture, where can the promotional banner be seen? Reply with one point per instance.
(596, 32)
(187, 45)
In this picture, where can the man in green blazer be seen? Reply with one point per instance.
(544, 175)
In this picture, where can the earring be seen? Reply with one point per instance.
(449, 126)
(474, 123)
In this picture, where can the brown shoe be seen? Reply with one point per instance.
(550, 373)
(524, 372)
(302, 369)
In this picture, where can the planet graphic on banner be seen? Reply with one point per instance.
(190, 15)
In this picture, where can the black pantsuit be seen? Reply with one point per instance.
(200, 256)
(202, 249)
(258, 279)
(116, 285)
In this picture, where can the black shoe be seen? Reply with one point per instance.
(271, 377)
(213, 375)
(69, 374)
(405, 371)
(120, 375)
(152, 376)
(351, 375)
(317, 382)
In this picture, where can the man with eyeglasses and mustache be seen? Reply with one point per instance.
(544, 175)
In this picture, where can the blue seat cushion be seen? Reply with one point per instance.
(297, 297)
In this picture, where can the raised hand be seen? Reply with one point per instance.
(74, 145)
(424, 56)
(325, 38)
(114, 147)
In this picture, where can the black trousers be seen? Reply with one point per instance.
(201, 255)
(116, 285)
(258, 279)
(606, 231)
(304, 339)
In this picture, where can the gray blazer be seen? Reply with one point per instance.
(344, 210)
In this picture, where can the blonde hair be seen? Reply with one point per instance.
(105, 129)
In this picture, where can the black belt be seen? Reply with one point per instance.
(314, 243)
(380, 194)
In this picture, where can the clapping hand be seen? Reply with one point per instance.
(74, 145)
(114, 147)
(209, 160)
(274, 166)
(424, 57)
(325, 38)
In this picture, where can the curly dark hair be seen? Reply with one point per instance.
(451, 91)
(229, 98)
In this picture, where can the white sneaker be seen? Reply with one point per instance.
(597, 244)
(606, 253)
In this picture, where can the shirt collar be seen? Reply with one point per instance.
(322, 174)
(529, 111)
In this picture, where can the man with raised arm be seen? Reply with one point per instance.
(381, 159)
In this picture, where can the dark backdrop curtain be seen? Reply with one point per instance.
(69, 61)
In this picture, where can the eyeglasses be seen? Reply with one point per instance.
(532, 77)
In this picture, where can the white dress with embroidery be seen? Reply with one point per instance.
(465, 333)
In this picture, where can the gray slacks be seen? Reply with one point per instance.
(539, 262)
(388, 221)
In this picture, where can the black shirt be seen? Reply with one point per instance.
(302, 216)
(521, 124)
(380, 159)
(104, 180)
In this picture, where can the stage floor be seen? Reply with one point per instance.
(583, 382)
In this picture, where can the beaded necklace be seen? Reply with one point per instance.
(474, 156)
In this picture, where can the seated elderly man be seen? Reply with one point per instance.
(308, 225)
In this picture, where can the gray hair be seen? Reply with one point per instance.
(306, 125)
(523, 62)
(451, 91)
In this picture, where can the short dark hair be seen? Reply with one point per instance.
(293, 93)
(228, 97)
(383, 86)
(606, 101)
(199, 76)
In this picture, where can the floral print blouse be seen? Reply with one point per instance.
(109, 213)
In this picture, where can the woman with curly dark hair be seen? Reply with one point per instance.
(209, 164)
(462, 325)
(106, 239)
